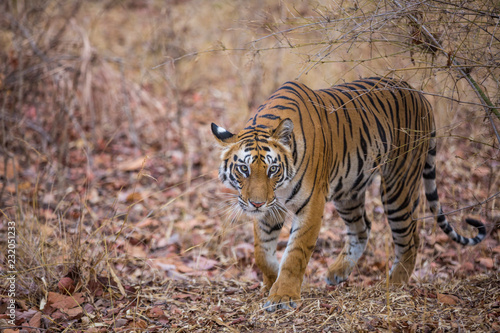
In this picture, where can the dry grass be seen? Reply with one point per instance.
(235, 306)
(109, 170)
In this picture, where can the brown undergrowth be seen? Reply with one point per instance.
(109, 174)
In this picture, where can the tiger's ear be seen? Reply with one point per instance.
(223, 136)
(283, 133)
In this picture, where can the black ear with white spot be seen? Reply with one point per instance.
(283, 133)
(222, 135)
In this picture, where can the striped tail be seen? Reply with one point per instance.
(432, 197)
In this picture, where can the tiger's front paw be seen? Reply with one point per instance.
(285, 302)
(284, 293)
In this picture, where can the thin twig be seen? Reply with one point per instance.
(489, 107)
(28, 37)
(463, 208)
(492, 15)
(23, 327)
(35, 127)
(126, 107)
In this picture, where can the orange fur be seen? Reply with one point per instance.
(305, 147)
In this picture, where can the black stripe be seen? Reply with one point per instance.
(430, 174)
(432, 196)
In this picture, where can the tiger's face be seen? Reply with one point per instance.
(256, 165)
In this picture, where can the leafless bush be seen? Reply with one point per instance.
(58, 97)
(418, 37)
(57, 92)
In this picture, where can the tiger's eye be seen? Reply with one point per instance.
(273, 169)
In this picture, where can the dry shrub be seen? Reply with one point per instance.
(109, 169)
(62, 104)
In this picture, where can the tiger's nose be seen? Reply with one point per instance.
(256, 204)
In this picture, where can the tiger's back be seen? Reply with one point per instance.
(345, 134)
(304, 147)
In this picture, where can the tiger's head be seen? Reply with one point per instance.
(256, 162)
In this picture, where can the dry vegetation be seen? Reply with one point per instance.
(108, 169)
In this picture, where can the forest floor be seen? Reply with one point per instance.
(122, 225)
(128, 247)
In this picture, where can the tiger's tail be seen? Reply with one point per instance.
(432, 197)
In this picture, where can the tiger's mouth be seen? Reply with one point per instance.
(253, 208)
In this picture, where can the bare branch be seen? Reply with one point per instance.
(491, 197)
(489, 107)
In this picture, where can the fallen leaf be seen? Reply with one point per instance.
(467, 266)
(486, 262)
(24, 186)
(117, 280)
(132, 165)
(254, 286)
(231, 291)
(133, 197)
(447, 299)
(59, 301)
(43, 302)
(22, 304)
(58, 314)
(138, 323)
(73, 313)
(181, 296)
(120, 322)
(11, 188)
(154, 312)
(48, 214)
(136, 251)
(482, 170)
(147, 222)
(203, 263)
(9, 171)
(238, 320)
(25, 315)
(89, 309)
(244, 250)
(97, 284)
(169, 264)
(378, 265)
(325, 305)
(448, 254)
(66, 285)
(220, 322)
(442, 238)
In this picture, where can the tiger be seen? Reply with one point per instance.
(304, 147)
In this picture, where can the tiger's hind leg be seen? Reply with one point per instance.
(358, 230)
(400, 208)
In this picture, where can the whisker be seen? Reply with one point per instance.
(225, 194)
(226, 205)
